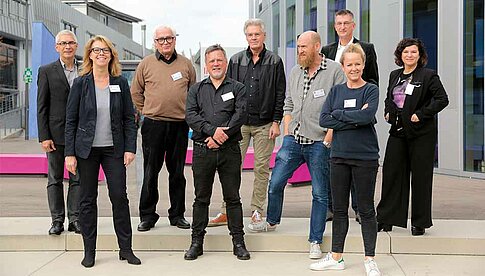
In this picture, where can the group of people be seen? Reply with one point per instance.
(327, 109)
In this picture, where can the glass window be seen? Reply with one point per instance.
(364, 20)
(8, 66)
(332, 7)
(290, 33)
(276, 26)
(473, 98)
(310, 19)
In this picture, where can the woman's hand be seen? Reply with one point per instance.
(71, 164)
(414, 118)
(128, 158)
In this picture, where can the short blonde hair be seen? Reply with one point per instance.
(353, 48)
(114, 66)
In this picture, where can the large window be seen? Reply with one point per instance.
(333, 6)
(364, 20)
(8, 66)
(310, 19)
(473, 98)
(290, 34)
(276, 26)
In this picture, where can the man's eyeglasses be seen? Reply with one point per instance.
(346, 23)
(168, 39)
(65, 43)
(98, 50)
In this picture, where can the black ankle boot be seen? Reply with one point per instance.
(196, 249)
(384, 227)
(417, 231)
(88, 260)
(129, 256)
(239, 249)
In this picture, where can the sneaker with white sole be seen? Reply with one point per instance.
(315, 251)
(328, 263)
(261, 227)
(219, 220)
(256, 217)
(371, 268)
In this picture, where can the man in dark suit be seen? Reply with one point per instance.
(344, 26)
(54, 82)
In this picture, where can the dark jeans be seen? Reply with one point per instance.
(227, 162)
(55, 190)
(363, 174)
(163, 140)
(352, 196)
(115, 172)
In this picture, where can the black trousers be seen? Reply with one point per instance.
(352, 196)
(163, 140)
(55, 189)
(115, 172)
(227, 162)
(407, 159)
(362, 174)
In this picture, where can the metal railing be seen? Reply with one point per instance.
(11, 113)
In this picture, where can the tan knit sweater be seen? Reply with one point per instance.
(159, 90)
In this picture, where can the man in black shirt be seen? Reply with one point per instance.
(216, 110)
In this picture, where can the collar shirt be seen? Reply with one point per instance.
(71, 74)
(162, 58)
(307, 84)
(341, 48)
(252, 82)
(209, 108)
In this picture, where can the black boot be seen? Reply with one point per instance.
(239, 249)
(417, 231)
(88, 260)
(384, 227)
(196, 249)
(129, 256)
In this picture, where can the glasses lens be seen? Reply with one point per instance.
(168, 39)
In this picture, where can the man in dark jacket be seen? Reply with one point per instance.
(263, 74)
(54, 82)
(344, 26)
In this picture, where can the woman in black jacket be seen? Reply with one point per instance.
(100, 130)
(414, 96)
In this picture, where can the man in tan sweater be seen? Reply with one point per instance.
(159, 91)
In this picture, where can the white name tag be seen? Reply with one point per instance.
(409, 89)
(114, 88)
(318, 93)
(176, 76)
(350, 103)
(227, 96)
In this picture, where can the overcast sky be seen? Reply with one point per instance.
(206, 21)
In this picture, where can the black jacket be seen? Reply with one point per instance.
(428, 98)
(81, 117)
(371, 72)
(52, 93)
(272, 83)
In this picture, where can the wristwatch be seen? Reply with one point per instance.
(277, 121)
(327, 144)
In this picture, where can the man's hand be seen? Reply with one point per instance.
(329, 136)
(414, 118)
(274, 131)
(48, 145)
(220, 136)
(211, 144)
(386, 117)
(71, 164)
(128, 158)
(365, 106)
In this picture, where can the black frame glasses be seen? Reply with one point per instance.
(168, 39)
(98, 50)
(65, 43)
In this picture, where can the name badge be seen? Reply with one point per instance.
(227, 96)
(318, 93)
(114, 88)
(350, 103)
(409, 89)
(176, 76)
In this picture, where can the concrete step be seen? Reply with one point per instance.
(453, 237)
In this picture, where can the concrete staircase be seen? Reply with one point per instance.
(453, 237)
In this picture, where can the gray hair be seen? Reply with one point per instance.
(174, 33)
(65, 32)
(215, 47)
(254, 22)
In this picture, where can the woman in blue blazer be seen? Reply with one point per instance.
(100, 130)
(414, 96)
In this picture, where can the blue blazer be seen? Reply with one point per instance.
(81, 117)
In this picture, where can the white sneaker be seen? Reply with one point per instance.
(371, 268)
(261, 227)
(328, 263)
(256, 217)
(315, 251)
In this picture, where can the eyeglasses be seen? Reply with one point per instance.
(346, 23)
(98, 50)
(168, 39)
(65, 43)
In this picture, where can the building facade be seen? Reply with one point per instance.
(453, 33)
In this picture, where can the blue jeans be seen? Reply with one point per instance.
(291, 156)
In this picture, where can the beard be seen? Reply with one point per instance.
(307, 60)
